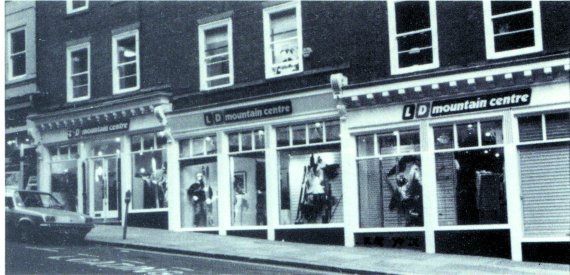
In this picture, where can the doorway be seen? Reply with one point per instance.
(105, 181)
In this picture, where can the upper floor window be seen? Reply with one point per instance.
(216, 57)
(512, 28)
(75, 5)
(78, 75)
(413, 36)
(283, 40)
(17, 53)
(126, 75)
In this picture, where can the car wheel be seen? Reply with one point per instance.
(26, 232)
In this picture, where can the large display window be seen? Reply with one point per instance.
(198, 182)
(247, 172)
(309, 173)
(64, 175)
(470, 173)
(149, 185)
(389, 179)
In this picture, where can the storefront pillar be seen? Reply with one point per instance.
(173, 183)
(224, 187)
(513, 188)
(126, 173)
(44, 169)
(350, 184)
(429, 186)
(272, 176)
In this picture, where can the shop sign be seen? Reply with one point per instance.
(274, 109)
(98, 128)
(467, 104)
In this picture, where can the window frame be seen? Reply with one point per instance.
(71, 10)
(202, 54)
(10, 68)
(393, 43)
(115, 62)
(490, 35)
(70, 75)
(267, 12)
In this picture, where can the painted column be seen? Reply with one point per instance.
(512, 185)
(271, 182)
(429, 185)
(44, 169)
(81, 172)
(126, 173)
(173, 185)
(349, 186)
(224, 189)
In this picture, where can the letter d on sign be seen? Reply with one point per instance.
(423, 110)
(409, 111)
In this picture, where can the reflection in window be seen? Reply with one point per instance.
(311, 186)
(64, 183)
(471, 187)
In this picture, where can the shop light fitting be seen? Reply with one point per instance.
(497, 155)
(117, 139)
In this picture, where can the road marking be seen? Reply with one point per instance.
(83, 254)
(42, 249)
(183, 268)
(131, 261)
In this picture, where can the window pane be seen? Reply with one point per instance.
(500, 7)
(558, 125)
(471, 188)
(530, 128)
(64, 183)
(248, 192)
(286, 57)
(18, 41)
(184, 148)
(467, 135)
(149, 187)
(148, 141)
(136, 142)
(64, 150)
(282, 136)
(218, 68)
(311, 187)
(492, 132)
(106, 147)
(299, 136)
(219, 82)
(387, 144)
(234, 142)
(198, 199)
(128, 82)
(18, 64)
(409, 141)
(246, 141)
(444, 137)
(417, 40)
(514, 41)
(412, 15)
(79, 61)
(78, 4)
(128, 70)
(211, 145)
(416, 57)
(80, 91)
(315, 132)
(259, 139)
(365, 145)
(127, 50)
(283, 25)
(333, 130)
(80, 80)
(198, 147)
(216, 40)
(512, 23)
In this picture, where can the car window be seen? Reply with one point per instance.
(41, 200)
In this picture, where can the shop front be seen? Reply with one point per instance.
(90, 158)
(475, 169)
(267, 169)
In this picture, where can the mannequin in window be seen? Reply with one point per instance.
(158, 180)
(407, 190)
(240, 202)
(200, 195)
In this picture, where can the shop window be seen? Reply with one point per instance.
(198, 183)
(389, 180)
(512, 28)
(17, 53)
(106, 147)
(216, 56)
(552, 126)
(311, 133)
(413, 36)
(283, 40)
(63, 168)
(126, 76)
(470, 183)
(247, 141)
(247, 170)
(149, 185)
(78, 82)
(77, 5)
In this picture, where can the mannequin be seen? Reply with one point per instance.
(200, 195)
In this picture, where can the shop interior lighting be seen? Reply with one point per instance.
(100, 153)
(497, 155)
(117, 139)
(142, 171)
(118, 151)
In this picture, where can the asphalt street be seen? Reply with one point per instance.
(86, 258)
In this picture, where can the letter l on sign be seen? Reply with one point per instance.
(409, 111)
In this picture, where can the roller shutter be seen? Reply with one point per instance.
(545, 189)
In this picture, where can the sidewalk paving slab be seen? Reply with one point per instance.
(362, 260)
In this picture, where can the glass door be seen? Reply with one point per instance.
(105, 187)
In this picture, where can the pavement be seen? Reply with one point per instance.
(361, 260)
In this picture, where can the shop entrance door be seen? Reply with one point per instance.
(105, 181)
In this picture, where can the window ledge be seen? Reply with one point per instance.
(76, 13)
